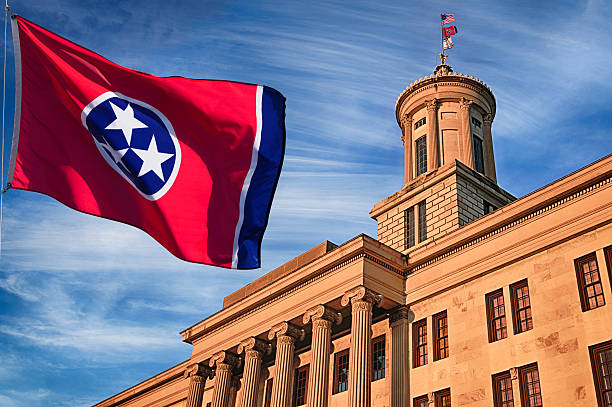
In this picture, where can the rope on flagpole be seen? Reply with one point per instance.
(4, 189)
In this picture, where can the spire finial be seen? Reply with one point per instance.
(443, 58)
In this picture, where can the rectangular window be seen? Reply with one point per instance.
(502, 390)
(521, 307)
(478, 157)
(496, 315)
(440, 331)
(608, 254)
(589, 283)
(341, 371)
(601, 362)
(487, 207)
(301, 385)
(420, 122)
(422, 222)
(529, 380)
(421, 156)
(409, 227)
(476, 122)
(378, 358)
(443, 398)
(268, 393)
(421, 401)
(419, 343)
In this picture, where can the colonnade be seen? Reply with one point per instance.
(284, 336)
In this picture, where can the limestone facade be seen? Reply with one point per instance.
(508, 303)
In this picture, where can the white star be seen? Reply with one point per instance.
(125, 121)
(117, 154)
(152, 159)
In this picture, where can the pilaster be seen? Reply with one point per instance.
(400, 357)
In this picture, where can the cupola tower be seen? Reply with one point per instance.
(449, 165)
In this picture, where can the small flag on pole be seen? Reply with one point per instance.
(447, 18)
(448, 31)
(447, 43)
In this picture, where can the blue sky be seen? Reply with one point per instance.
(89, 307)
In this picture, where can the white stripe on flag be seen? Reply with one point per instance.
(249, 176)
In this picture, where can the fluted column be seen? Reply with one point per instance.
(322, 319)
(286, 335)
(433, 155)
(362, 301)
(407, 140)
(467, 148)
(225, 362)
(197, 374)
(254, 350)
(400, 357)
(488, 147)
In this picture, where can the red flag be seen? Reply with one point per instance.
(194, 163)
(448, 31)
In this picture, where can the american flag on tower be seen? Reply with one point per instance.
(447, 18)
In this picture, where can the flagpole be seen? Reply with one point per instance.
(6, 12)
(441, 35)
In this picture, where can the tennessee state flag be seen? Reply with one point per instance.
(194, 163)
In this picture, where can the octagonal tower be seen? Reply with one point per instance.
(449, 166)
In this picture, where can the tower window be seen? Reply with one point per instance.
(589, 282)
(421, 401)
(476, 122)
(478, 158)
(301, 385)
(487, 207)
(420, 123)
(422, 222)
(521, 307)
(409, 227)
(421, 156)
(496, 315)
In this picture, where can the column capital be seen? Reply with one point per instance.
(487, 119)
(321, 311)
(254, 345)
(198, 370)
(361, 294)
(224, 360)
(465, 103)
(399, 314)
(286, 329)
(432, 105)
(407, 120)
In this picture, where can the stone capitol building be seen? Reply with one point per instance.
(468, 296)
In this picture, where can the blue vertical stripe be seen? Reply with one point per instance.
(265, 178)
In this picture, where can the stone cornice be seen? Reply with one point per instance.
(153, 383)
(454, 79)
(358, 248)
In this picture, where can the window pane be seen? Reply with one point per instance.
(341, 371)
(409, 227)
(496, 315)
(601, 361)
(530, 386)
(589, 282)
(301, 381)
(419, 341)
(421, 156)
(478, 157)
(440, 325)
(422, 222)
(378, 358)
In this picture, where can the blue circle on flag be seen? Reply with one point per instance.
(136, 140)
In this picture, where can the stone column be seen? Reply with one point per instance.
(488, 147)
(225, 363)
(407, 140)
(433, 155)
(362, 301)
(286, 335)
(197, 374)
(467, 149)
(253, 349)
(400, 357)
(318, 383)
